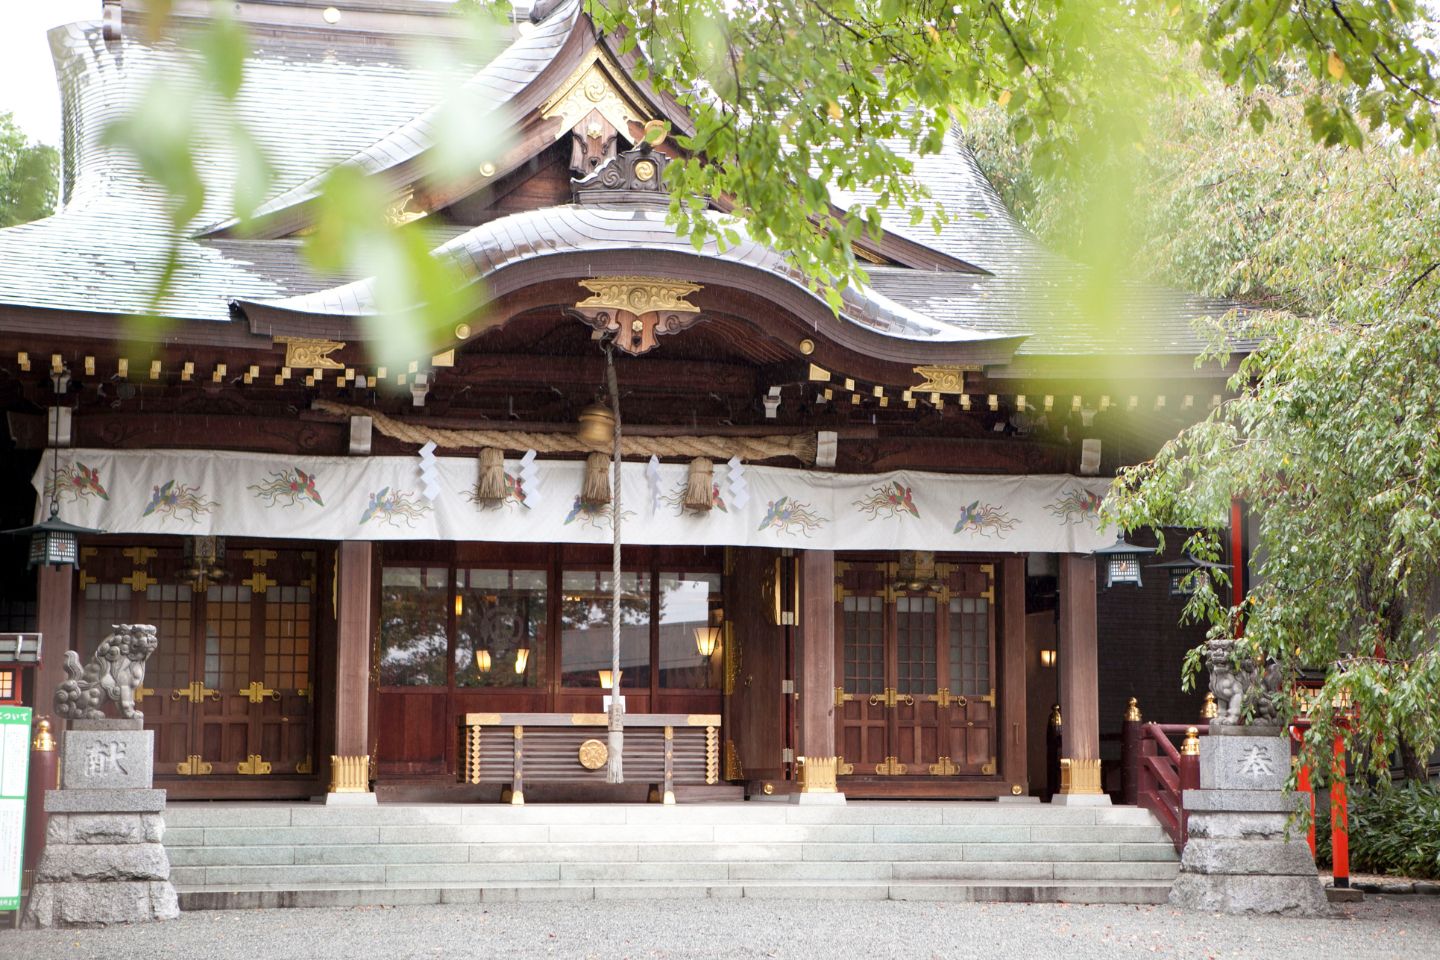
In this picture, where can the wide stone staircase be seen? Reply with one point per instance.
(243, 855)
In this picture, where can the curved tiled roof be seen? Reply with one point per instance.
(591, 228)
(316, 99)
(493, 87)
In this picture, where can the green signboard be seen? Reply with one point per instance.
(14, 783)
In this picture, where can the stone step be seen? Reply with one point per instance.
(286, 875)
(182, 815)
(321, 895)
(898, 835)
(252, 854)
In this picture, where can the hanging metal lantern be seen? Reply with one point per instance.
(1178, 570)
(1122, 562)
(53, 541)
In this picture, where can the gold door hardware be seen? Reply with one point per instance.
(195, 692)
(194, 766)
(142, 692)
(945, 768)
(258, 558)
(140, 555)
(305, 692)
(841, 697)
(943, 698)
(989, 570)
(257, 692)
(259, 583)
(256, 766)
(843, 769)
(890, 698)
(305, 766)
(988, 767)
(139, 581)
(892, 767)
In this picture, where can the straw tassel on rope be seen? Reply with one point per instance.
(700, 489)
(615, 766)
(491, 487)
(596, 488)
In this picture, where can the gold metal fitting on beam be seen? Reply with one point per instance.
(349, 774)
(817, 774)
(1080, 776)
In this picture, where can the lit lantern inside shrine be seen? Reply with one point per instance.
(482, 661)
(707, 641)
(522, 659)
(606, 680)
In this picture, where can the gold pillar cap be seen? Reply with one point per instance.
(1191, 746)
(44, 740)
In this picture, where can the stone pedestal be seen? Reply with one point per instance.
(1237, 858)
(103, 862)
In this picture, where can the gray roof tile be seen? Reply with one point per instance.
(318, 100)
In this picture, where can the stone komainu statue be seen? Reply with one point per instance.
(115, 672)
(1241, 683)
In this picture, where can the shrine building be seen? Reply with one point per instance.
(865, 539)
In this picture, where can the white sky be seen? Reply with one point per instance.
(27, 74)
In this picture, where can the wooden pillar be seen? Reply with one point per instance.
(815, 681)
(55, 596)
(1079, 677)
(1014, 760)
(353, 601)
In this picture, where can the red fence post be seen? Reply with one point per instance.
(1052, 752)
(44, 772)
(1302, 784)
(1339, 818)
(1130, 755)
(1189, 776)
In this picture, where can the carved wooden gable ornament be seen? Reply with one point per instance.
(638, 309)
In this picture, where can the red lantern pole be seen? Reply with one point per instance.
(1339, 818)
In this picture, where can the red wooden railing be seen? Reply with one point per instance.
(1160, 774)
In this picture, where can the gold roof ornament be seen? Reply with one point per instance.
(594, 85)
(942, 379)
(309, 353)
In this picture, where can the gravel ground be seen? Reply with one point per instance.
(1381, 927)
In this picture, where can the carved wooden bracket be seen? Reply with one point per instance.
(638, 309)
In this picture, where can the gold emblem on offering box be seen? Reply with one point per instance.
(593, 754)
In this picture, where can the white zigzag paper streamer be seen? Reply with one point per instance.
(735, 483)
(529, 480)
(429, 475)
(652, 475)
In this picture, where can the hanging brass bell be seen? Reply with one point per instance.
(597, 425)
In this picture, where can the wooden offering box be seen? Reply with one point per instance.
(660, 748)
